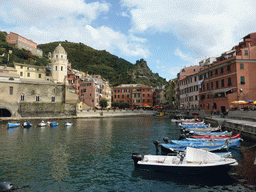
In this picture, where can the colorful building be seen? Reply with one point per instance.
(23, 43)
(30, 71)
(136, 95)
(188, 87)
(231, 77)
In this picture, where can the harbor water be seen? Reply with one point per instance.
(95, 155)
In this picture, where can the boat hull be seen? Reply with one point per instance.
(186, 169)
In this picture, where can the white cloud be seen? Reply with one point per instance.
(30, 12)
(207, 27)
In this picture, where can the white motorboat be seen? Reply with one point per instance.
(194, 161)
(42, 124)
(68, 124)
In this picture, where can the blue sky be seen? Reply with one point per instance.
(168, 34)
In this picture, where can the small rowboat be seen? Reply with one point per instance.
(216, 136)
(13, 124)
(26, 124)
(42, 124)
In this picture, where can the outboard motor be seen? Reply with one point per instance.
(157, 144)
(182, 136)
(166, 140)
(136, 157)
(6, 186)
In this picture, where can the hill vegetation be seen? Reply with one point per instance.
(116, 70)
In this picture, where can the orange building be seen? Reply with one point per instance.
(136, 95)
(232, 77)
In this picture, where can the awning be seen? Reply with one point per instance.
(221, 91)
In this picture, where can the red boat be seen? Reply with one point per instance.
(187, 122)
(216, 136)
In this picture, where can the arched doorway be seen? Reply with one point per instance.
(5, 113)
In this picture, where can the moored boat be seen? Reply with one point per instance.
(54, 124)
(194, 161)
(68, 124)
(26, 124)
(172, 148)
(216, 136)
(42, 124)
(13, 124)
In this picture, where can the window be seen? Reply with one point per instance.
(211, 85)
(148, 95)
(222, 83)
(37, 98)
(61, 68)
(138, 95)
(56, 56)
(228, 68)
(203, 87)
(56, 68)
(216, 71)
(217, 84)
(22, 97)
(122, 96)
(229, 81)
(28, 74)
(128, 96)
(195, 78)
(39, 76)
(242, 80)
(245, 52)
(207, 85)
(148, 100)
(241, 66)
(21, 74)
(53, 98)
(21, 66)
(11, 90)
(221, 70)
(211, 73)
(134, 95)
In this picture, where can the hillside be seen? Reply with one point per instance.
(116, 70)
(9, 54)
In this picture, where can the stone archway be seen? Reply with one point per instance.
(5, 113)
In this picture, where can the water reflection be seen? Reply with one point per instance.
(200, 181)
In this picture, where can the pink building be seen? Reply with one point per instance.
(23, 43)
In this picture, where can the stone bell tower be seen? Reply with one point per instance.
(59, 64)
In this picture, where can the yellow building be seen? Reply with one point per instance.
(30, 71)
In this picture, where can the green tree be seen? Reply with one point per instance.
(103, 103)
(115, 104)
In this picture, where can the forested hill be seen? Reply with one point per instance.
(116, 70)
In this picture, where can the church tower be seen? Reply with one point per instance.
(59, 64)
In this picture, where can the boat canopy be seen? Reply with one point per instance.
(200, 155)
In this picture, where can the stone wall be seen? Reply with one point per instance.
(46, 109)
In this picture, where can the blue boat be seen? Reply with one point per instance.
(235, 143)
(26, 124)
(212, 133)
(170, 148)
(54, 124)
(13, 125)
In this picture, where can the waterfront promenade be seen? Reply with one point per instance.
(91, 114)
(247, 126)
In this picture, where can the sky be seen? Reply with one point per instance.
(168, 34)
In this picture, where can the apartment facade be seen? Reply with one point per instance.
(232, 77)
(188, 87)
(30, 71)
(136, 95)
